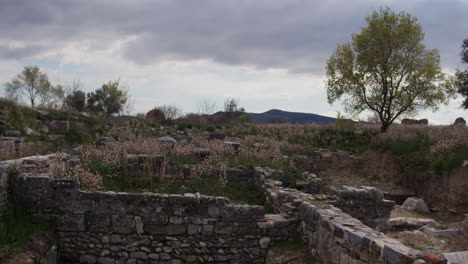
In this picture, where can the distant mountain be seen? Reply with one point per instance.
(279, 116)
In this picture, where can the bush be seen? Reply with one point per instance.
(153, 125)
(77, 135)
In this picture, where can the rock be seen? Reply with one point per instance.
(106, 261)
(235, 145)
(139, 225)
(201, 153)
(168, 141)
(415, 204)
(460, 122)
(259, 146)
(88, 259)
(408, 121)
(405, 222)
(214, 136)
(30, 131)
(457, 257)
(264, 242)
(464, 227)
(44, 130)
(440, 233)
(12, 133)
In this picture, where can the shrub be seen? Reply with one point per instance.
(77, 135)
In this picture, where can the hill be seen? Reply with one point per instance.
(280, 116)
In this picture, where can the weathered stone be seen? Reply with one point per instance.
(214, 136)
(106, 261)
(88, 259)
(12, 133)
(264, 242)
(415, 204)
(167, 140)
(139, 255)
(139, 225)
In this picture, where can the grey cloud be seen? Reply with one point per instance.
(297, 35)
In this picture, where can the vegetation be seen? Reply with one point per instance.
(76, 100)
(462, 76)
(387, 69)
(109, 99)
(440, 149)
(35, 86)
(15, 226)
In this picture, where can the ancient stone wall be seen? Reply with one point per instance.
(106, 227)
(331, 235)
(365, 203)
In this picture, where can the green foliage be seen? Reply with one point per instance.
(76, 100)
(35, 86)
(210, 128)
(235, 192)
(455, 160)
(15, 226)
(462, 76)
(244, 119)
(387, 69)
(188, 125)
(77, 135)
(154, 125)
(108, 100)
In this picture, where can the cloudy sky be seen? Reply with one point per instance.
(267, 53)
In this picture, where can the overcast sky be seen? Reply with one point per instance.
(267, 53)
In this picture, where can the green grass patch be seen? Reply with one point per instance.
(15, 226)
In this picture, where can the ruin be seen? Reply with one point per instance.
(108, 227)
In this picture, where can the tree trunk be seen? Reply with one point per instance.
(384, 128)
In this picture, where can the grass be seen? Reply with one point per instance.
(237, 193)
(410, 244)
(291, 251)
(15, 226)
(415, 152)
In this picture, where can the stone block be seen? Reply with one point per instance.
(123, 224)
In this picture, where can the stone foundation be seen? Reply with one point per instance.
(106, 227)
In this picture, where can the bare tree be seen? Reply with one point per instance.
(170, 112)
(206, 106)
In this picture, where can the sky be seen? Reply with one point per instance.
(266, 53)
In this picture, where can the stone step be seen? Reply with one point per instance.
(457, 257)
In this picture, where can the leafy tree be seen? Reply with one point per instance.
(108, 100)
(462, 76)
(35, 86)
(387, 69)
(76, 100)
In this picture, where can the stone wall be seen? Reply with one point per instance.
(364, 203)
(106, 227)
(331, 235)
(27, 165)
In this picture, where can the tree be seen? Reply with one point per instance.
(387, 69)
(462, 76)
(75, 98)
(170, 112)
(231, 105)
(108, 100)
(206, 107)
(35, 86)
